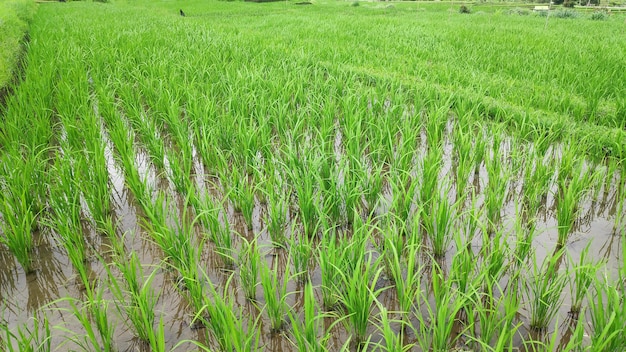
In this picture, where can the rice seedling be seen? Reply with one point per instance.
(227, 324)
(26, 339)
(392, 341)
(543, 291)
(373, 186)
(17, 222)
(495, 251)
(135, 297)
(275, 294)
(568, 206)
(435, 331)
(249, 260)
(391, 245)
(439, 222)
(403, 187)
(224, 244)
(359, 296)
(303, 183)
(306, 332)
(92, 316)
(494, 325)
(66, 220)
(584, 274)
(330, 256)
(431, 166)
(301, 252)
(495, 192)
(242, 195)
(463, 268)
(606, 310)
(407, 278)
(276, 217)
(464, 159)
(327, 132)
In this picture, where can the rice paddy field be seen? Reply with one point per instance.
(334, 176)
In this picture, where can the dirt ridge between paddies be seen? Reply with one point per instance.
(15, 18)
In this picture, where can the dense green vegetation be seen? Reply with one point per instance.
(321, 177)
(15, 16)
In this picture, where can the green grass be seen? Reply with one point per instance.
(15, 17)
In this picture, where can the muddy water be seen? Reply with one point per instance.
(41, 292)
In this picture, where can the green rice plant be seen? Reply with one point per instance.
(584, 275)
(480, 144)
(134, 296)
(330, 256)
(407, 276)
(301, 253)
(16, 224)
(157, 339)
(351, 191)
(227, 324)
(98, 309)
(25, 339)
(248, 261)
(495, 251)
(306, 332)
(403, 187)
(334, 209)
(359, 296)
(567, 207)
(66, 220)
(179, 167)
(275, 294)
(276, 217)
(439, 222)
(391, 245)
(543, 291)
(245, 200)
(373, 186)
(92, 168)
(606, 312)
(92, 316)
(573, 343)
(436, 328)
(464, 159)
(495, 192)
(463, 269)
(494, 323)
(224, 244)
(431, 166)
(23, 184)
(524, 236)
(619, 223)
(392, 341)
(538, 178)
(303, 180)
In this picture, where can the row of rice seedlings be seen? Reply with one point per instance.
(21, 178)
(134, 295)
(65, 221)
